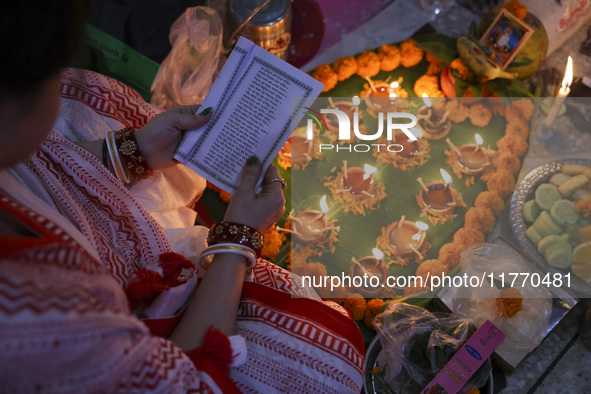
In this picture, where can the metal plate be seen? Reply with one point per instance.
(523, 193)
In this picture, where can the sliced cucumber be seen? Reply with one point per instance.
(546, 195)
(560, 256)
(534, 235)
(547, 226)
(564, 211)
(550, 242)
(531, 211)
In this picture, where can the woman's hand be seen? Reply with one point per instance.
(160, 137)
(256, 210)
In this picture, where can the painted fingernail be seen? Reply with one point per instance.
(252, 160)
(205, 112)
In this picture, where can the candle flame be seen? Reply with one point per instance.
(426, 100)
(378, 254)
(445, 176)
(392, 91)
(568, 74)
(416, 237)
(478, 139)
(422, 226)
(323, 205)
(369, 171)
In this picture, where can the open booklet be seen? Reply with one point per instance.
(257, 99)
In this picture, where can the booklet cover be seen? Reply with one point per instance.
(258, 99)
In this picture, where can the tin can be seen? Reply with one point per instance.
(269, 28)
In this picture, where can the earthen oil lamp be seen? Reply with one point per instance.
(405, 238)
(433, 121)
(311, 225)
(373, 269)
(470, 159)
(357, 183)
(382, 96)
(438, 198)
(410, 148)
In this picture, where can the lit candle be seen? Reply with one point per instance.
(470, 158)
(562, 93)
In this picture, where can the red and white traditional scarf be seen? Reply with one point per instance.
(64, 319)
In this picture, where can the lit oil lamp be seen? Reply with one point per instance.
(405, 239)
(438, 198)
(382, 96)
(347, 107)
(373, 269)
(356, 182)
(471, 159)
(311, 225)
(297, 151)
(410, 148)
(433, 120)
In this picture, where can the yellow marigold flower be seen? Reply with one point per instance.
(372, 309)
(428, 84)
(356, 306)
(326, 75)
(273, 241)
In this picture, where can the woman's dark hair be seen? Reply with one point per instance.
(37, 38)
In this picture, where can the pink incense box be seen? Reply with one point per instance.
(464, 363)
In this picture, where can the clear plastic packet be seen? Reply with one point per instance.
(527, 327)
(417, 343)
(187, 73)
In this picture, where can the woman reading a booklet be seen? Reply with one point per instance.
(99, 254)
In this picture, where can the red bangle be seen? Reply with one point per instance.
(228, 232)
(130, 154)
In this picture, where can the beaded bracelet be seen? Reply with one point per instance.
(235, 233)
(131, 156)
(231, 248)
(115, 159)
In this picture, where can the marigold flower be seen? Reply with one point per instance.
(390, 57)
(356, 305)
(491, 200)
(502, 182)
(479, 115)
(368, 64)
(479, 219)
(411, 55)
(372, 310)
(345, 67)
(508, 161)
(428, 84)
(273, 241)
(326, 75)
(466, 237)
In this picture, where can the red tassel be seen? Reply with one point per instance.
(172, 265)
(217, 347)
(144, 287)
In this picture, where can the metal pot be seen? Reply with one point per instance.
(268, 26)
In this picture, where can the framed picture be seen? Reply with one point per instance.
(505, 37)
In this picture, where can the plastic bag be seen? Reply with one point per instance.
(187, 73)
(526, 329)
(417, 344)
